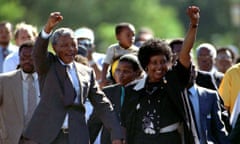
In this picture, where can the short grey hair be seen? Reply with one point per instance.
(61, 32)
(208, 46)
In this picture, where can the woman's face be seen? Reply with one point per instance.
(157, 67)
(125, 73)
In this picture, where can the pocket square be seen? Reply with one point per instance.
(209, 116)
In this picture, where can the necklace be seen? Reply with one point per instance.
(151, 90)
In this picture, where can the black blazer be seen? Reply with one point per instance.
(204, 79)
(113, 92)
(175, 91)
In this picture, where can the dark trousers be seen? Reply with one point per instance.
(62, 138)
(26, 141)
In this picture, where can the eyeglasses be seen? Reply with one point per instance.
(85, 42)
(204, 57)
(223, 57)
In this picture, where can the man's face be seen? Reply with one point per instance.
(26, 62)
(66, 48)
(84, 46)
(224, 61)
(5, 34)
(24, 35)
(205, 59)
(126, 37)
(176, 50)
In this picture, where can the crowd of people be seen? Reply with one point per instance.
(142, 90)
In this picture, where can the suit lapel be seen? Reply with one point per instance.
(202, 109)
(202, 100)
(202, 105)
(18, 93)
(83, 81)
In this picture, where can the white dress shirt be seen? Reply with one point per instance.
(25, 89)
(11, 62)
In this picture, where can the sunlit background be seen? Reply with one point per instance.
(219, 23)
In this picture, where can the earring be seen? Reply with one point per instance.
(146, 69)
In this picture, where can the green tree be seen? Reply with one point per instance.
(215, 24)
(102, 16)
(11, 10)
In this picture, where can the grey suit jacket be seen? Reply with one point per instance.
(11, 107)
(50, 113)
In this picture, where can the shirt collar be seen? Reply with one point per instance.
(10, 47)
(24, 75)
(193, 89)
(70, 64)
(141, 83)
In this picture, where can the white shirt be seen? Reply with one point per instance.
(99, 59)
(25, 89)
(11, 62)
(10, 48)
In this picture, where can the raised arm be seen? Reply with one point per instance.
(40, 51)
(184, 55)
(53, 19)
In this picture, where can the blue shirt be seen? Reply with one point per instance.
(3, 53)
(194, 98)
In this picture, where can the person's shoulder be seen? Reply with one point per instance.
(136, 84)
(111, 87)
(98, 55)
(133, 48)
(219, 74)
(82, 67)
(114, 46)
(9, 74)
(12, 56)
(205, 73)
(206, 90)
(234, 69)
(13, 48)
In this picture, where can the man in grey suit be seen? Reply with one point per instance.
(16, 91)
(64, 87)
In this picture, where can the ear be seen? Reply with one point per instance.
(117, 36)
(55, 48)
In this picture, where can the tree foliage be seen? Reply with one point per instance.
(166, 17)
(102, 16)
(11, 11)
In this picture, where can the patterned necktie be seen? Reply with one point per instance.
(31, 96)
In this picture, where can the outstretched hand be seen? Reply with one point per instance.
(53, 20)
(193, 13)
